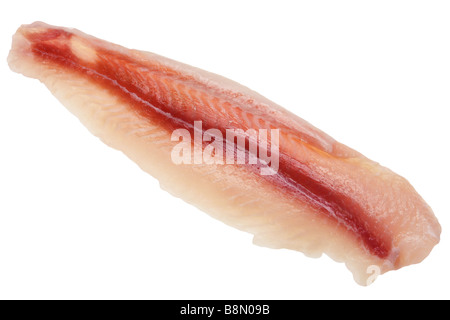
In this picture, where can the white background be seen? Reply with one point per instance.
(80, 220)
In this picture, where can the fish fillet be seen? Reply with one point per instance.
(318, 195)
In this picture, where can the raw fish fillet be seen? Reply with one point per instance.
(321, 197)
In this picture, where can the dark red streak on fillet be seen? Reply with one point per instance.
(335, 204)
(297, 178)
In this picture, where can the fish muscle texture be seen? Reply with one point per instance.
(319, 196)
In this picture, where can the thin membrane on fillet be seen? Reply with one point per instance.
(323, 198)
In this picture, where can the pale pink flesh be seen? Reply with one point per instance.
(325, 198)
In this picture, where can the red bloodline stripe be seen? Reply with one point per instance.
(336, 204)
